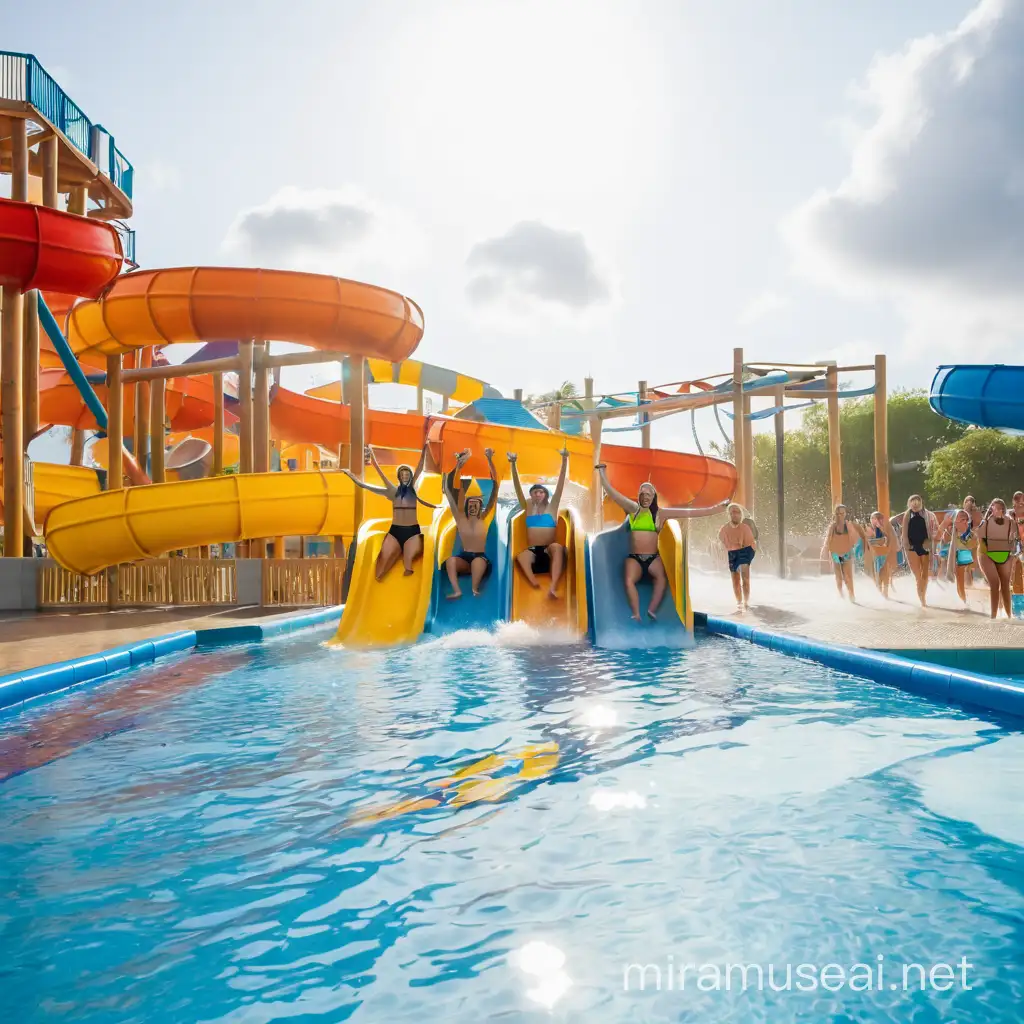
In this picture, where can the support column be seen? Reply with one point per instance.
(77, 203)
(357, 436)
(780, 478)
(645, 430)
(157, 472)
(115, 424)
(30, 366)
(835, 463)
(142, 410)
(218, 424)
(596, 490)
(737, 423)
(261, 410)
(12, 421)
(419, 399)
(338, 544)
(881, 437)
(748, 454)
(245, 411)
(517, 394)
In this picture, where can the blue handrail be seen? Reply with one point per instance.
(24, 79)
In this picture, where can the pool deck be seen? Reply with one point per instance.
(812, 608)
(33, 639)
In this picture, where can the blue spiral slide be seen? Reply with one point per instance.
(981, 395)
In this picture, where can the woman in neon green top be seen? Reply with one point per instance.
(644, 520)
(998, 540)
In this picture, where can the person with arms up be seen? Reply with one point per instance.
(738, 540)
(471, 522)
(404, 540)
(543, 554)
(644, 519)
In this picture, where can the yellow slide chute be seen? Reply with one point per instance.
(393, 610)
(145, 522)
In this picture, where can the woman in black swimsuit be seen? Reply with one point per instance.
(997, 542)
(404, 538)
(917, 533)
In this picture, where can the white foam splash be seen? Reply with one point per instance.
(522, 634)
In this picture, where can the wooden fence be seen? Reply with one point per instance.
(303, 582)
(149, 583)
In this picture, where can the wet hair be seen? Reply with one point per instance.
(405, 490)
(1018, 494)
(913, 498)
(654, 501)
(835, 511)
(995, 501)
(871, 518)
(539, 487)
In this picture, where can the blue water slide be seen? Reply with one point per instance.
(491, 606)
(981, 395)
(611, 622)
(71, 364)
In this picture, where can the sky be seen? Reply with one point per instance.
(621, 188)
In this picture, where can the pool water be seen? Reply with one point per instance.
(480, 829)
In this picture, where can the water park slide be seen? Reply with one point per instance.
(982, 395)
(613, 626)
(89, 534)
(392, 611)
(54, 484)
(471, 612)
(568, 611)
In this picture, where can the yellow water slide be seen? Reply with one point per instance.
(568, 610)
(392, 611)
(54, 484)
(145, 522)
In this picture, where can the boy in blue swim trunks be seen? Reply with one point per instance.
(738, 540)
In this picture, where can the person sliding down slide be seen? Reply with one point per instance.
(404, 539)
(543, 554)
(471, 522)
(643, 562)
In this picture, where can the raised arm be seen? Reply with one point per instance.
(492, 500)
(690, 513)
(388, 493)
(511, 456)
(556, 498)
(626, 504)
(372, 456)
(418, 471)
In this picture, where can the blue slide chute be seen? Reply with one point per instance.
(980, 395)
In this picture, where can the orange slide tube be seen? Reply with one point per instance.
(205, 303)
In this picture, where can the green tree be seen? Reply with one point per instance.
(985, 463)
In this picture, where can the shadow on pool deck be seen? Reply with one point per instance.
(40, 638)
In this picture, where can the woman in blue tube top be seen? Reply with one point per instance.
(543, 553)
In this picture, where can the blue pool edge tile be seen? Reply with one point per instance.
(43, 680)
(926, 679)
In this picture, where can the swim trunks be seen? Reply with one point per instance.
(472, 556)
(404, 533)
(541, 559)
(739, 557)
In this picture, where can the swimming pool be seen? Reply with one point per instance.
(471, 829)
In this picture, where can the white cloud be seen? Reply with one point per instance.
(763, 304)
(534, 267)
(931, 210)
(336, 231)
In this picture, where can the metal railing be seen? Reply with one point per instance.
(24, 79)
(303, 582)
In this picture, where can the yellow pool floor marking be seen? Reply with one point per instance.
(473, 783)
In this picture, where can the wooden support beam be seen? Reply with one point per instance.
(218, 424)
(261, 410)
(140, 448)
(835, 463)
(115, 424)
(245, 408)
(12, 422)
(19, 160)
(881, 436)
(357, 381)
(78, 200)
(77, 456)
(30, 366)
(227, 365)
(645, 429)
(596, 488)
(158, 441)
(737, 422)
(748, 454)
(306, 358)
(338, 547)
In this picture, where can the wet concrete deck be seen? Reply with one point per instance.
(40, 638)
(812, 608)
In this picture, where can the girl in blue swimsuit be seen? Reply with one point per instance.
(543, 554)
